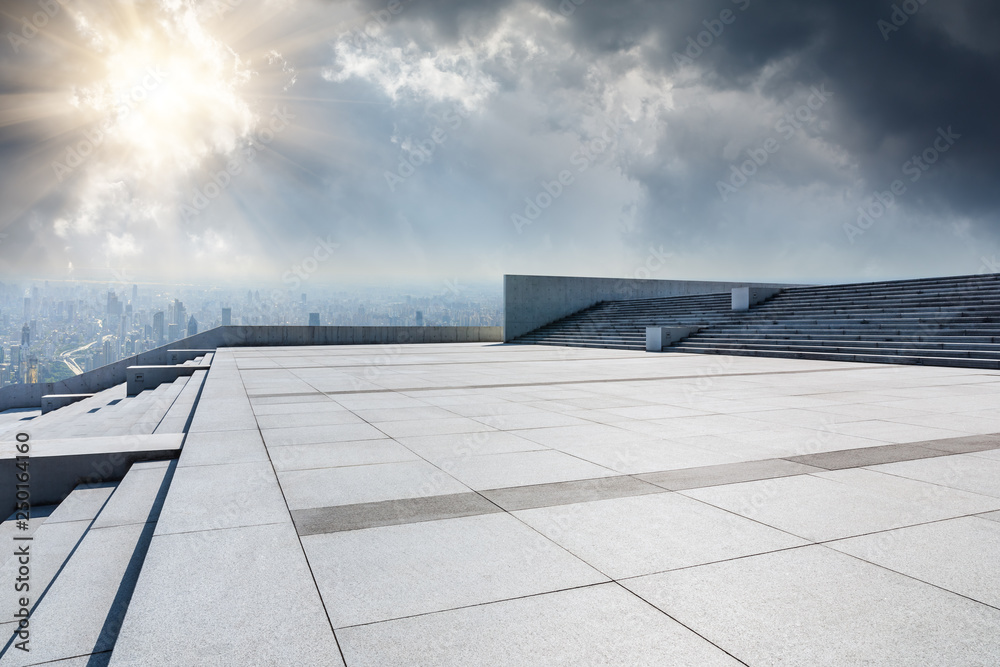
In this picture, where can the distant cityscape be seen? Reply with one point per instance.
(52, 330)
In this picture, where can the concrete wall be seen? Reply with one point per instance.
(534, 301)
(30, 395)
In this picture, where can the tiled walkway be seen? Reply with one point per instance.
(513, 505)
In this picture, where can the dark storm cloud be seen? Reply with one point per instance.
(894, 83)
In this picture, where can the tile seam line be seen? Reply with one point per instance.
(477, 604)
(680, 623)
(560, 382)
(302, 549)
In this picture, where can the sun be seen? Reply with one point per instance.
(168, 96)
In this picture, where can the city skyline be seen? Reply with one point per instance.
(237, 142)
(51, 331)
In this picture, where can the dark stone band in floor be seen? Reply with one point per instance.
(512, 499)
(390, 513)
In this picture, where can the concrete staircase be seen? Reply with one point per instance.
(622, 324)
(84, 559)
(940, 321)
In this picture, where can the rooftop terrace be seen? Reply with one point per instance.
(486, 504)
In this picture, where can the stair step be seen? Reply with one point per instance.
(99, 558)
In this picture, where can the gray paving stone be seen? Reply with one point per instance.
(729, 473)
(222, 496)
(628, 537)
(968, 472)
(843, 503)
(814, 606)
(866, 456)
(384, 573)
(84, 503)
(601, 624)
(241, 596)
(992, 516)
(440, 448)
(307, 435)
(495, 471)
(390, 513)
(565, 493)
(215, 447)
(50, 547)
(317, 418)
(138, 498)
(339, 454)
(416, 427)
(327, 487)
(958, 555)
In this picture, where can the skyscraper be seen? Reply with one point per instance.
(25, 335)
(227, 316)
(420, 318)
(314, 319)
(192, 327)
(158, 328)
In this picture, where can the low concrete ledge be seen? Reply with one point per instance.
(99, 379)
(52, 402)
(140, 378)
(57, 466)
(744, 298)
(658, 338)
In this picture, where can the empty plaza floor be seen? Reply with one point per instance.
(487, 504)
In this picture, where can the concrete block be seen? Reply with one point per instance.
(745, 298)
(180, 356)
(56, 401)
(140, 378)
(58, 466)
(658, 338)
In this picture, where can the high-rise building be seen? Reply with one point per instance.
(178, 313)
(314, 319)
(135, 293)
(192, 327)
(158, 328)
(173, 332)
(227, 316)
(114, 307)
(27, 307)
(420, 318)
(25, 336)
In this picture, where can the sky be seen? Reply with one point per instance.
(272, 141)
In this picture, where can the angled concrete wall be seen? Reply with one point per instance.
(30, 395)
(534, 301)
